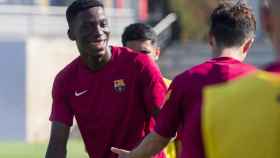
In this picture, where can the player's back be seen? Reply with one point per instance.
(192, 82)
(241, 118)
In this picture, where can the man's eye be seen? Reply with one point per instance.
(104, 23)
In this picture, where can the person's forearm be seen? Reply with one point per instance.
(178, 146)
(58, 141)
(151, 145)
(54, 151)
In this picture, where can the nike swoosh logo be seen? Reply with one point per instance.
(77, 94)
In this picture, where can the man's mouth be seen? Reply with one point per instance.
(99, 44)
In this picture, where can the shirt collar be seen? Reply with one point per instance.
(225, 60)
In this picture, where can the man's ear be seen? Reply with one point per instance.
(71, 35)
(247, 45)
(157, 51)
(211, 40)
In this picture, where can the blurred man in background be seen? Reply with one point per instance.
(142, 38)
(232, 33)
(110, 91)
(270, 21)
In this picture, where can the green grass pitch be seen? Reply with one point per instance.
(13, 149)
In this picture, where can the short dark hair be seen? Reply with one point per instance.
(138, 31)
(232, 24)
(78, 6)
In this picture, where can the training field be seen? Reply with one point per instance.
(20, 150)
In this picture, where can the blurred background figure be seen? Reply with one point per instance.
(143, 38)
(270, 20)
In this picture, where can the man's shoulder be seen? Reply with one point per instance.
(205, 68)
(249, 67)
(69, 69)
(245, 85)
(259, 77)
(199, 69)
(192, 76)
(183, 78)
(130, 56)
(273, 67)
(123, 51)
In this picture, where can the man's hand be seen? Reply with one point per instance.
(121, 153)
(151, 145)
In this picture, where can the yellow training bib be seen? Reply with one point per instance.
(241, 119)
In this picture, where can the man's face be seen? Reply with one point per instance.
(91, 32)
(144, 46)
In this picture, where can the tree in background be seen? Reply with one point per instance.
(193, 16)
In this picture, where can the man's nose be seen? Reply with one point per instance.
(98, 30)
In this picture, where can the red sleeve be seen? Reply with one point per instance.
(170, 116)
(153, 85)
(61, 111)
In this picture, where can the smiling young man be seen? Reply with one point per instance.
(111, 91)
(232, 33)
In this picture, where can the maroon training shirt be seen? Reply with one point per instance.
(183, 108)
(111, 105)
(273, 67)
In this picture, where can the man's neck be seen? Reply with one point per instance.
(231, 53)
(98, 63)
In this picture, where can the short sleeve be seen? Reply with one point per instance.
(61, 111)
(170, 115)
(153, 86)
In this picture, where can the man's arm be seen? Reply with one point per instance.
(151, 145)
(178, 147)
(58, 141)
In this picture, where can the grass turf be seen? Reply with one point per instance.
(12, 149)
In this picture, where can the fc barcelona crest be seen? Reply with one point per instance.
(119, 86)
